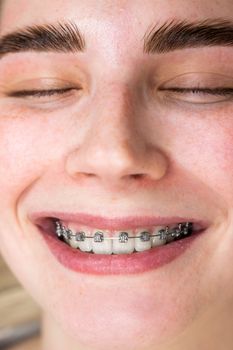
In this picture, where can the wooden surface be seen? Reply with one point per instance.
(31, 344)
(17, 309)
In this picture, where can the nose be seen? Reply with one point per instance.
(117, 146)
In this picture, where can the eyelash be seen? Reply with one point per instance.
(206, 91)
(39, 93)
(52, 92)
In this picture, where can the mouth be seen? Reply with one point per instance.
(96, 245)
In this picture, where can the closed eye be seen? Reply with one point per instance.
(202, 91)
(39, 93)
(197, 95)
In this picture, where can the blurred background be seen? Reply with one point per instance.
(19, 314)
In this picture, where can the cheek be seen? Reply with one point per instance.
(26, 147)
(217, 162)
(19, 155)
(207, 154)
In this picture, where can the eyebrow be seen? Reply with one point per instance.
(172, 35)
(176, 35)
(59, 37)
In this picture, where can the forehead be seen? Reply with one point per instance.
(118, 14)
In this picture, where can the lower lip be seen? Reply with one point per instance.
(103, 264)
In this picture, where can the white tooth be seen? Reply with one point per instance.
(140, 245)
(65, 234)
(104, 247)
(86, 245)
(73, 242)
(123, 248)
(156, 241)
(66, 240)
(58, 229)
(169, 237)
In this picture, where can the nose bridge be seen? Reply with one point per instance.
(115, 112)
(113, 134)
(115, 145)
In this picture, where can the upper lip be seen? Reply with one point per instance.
(115, 223)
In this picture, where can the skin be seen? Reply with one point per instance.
(49, 148)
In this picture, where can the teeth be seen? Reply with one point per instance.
(159, 236)
(58, 229)
(101, 245)
(84, 241)
(73, 242)
(187, 228)
(171, 233)
(144, 242)
(123, 242)
(66, 234)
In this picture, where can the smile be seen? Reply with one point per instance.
(151, 242)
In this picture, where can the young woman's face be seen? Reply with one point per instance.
(125, 135)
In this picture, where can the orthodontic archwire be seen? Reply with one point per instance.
(182, 229)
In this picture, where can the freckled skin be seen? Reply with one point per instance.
(113, 128)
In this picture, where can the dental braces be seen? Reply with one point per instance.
(182, 229)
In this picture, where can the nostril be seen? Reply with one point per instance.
(136, 176)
